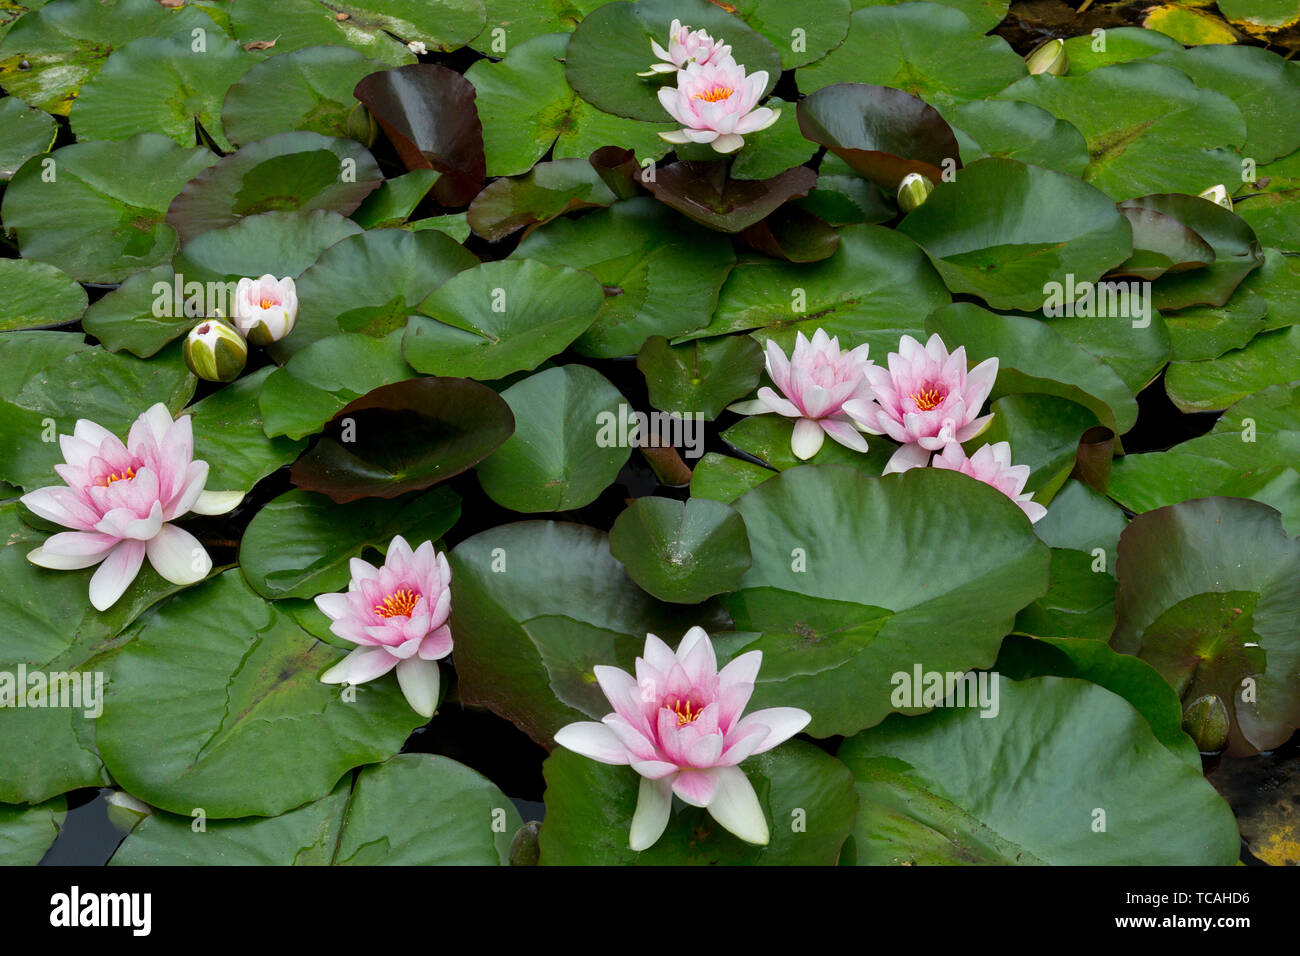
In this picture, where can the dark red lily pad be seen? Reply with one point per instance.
(702, 191)
(1162, 244)
(793, 234)
(881, 132)
(403, 437)
(429, 115)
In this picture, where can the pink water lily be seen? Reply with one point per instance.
(119, 499)
(678, 724)
(817, 382)
(925, 399)
(992, 465)
(717, 103)
(686, 46)
(265, 309)
(398, 615)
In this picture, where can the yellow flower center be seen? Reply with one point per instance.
(684, 713)
(715, 94)
(927, 398)
(267, 303)
(401, 601)
(125, 475)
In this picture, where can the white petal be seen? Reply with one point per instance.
(807, 438)
(736, 807)
(115, 574)
(907, 457)
(216, 502)
(419, 681)
(653, 803)
(728, 143)
(177, 555)
(594, 740)
(363, 664)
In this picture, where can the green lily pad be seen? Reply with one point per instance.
(1033, 357)
(837, 621)
(877, 286)
(25, 133)
(723, 478)
(90, 221)
(842, 198)
(66, 43)
(1258, 436)
(1044, 431)
(931, 799)
(773, 150)
(883, 134)
(111, 389)
(661, 274)
(229, 435)
(1207, 596)
(1084, 520)
(612, 45)
(1079, 606)
(279, 243)
(681, 551)
(703, 376)
(549, 190)
(1116, 45)
(284, 172)
(538, 571)
(371, 283)
(527, 107)
(394, 201)
(1206, 332)
(1267, 13)
(299, 544)
(1136, 346)
(308, 89)
(1004, 231)
(983, 14)
(1189, 25)
(1271, 358)
(244, 728)
(1149, 127)
(162, 85)
(931, 51)
(300, 398)
(1265, 87)
(807, 798)
(48, 626)
(556, 459)
(411, 810)
(1093, 660)
(34, 295)
(511, 22)
(404, 437)
(454, 225)
(378, 28)
(27, 832)
(802, 34)
(1161, 243)
(1020, 131)
(501, 317)
(1236, 251)
(1269, 204)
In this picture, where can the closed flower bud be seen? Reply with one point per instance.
(215, 351)
(1050, 57)
(1218, 195)
(913, 190)
(1206, 721)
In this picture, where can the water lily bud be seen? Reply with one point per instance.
(523, 847)
(215, 351)
(1206, 721)
(266, 308)
(125, 811)
(913, 190)
(1219, 195)
(362, 126)
(1050, 57)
